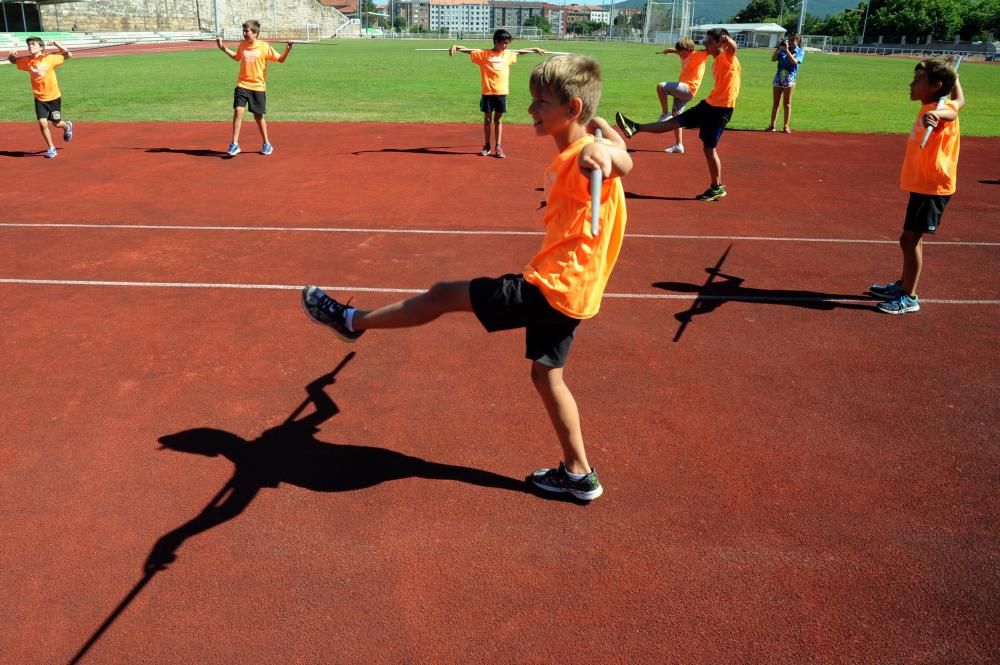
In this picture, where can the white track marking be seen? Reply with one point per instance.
(380, 289)
(468, 232)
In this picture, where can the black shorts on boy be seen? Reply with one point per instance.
(507, 302)
(50, 110)
(924, 211)
(493, 103)
(710, 121)
(256, 100)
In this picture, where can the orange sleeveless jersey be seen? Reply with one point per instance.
(933, 170)
(728, 74)
(253, 64)
(572, 267)
(42, 71)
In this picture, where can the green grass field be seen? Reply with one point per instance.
(384, 80)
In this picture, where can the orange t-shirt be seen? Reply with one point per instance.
(494, 70)
(253, 64)
(693, 70)
(727, 72)
(572, 267)
(42, 71)
(933, 170)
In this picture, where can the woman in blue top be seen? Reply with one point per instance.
(789, 55)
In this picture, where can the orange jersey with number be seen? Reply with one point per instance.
(693, 70)
(494, 70)
(933, 170)
(42, 70)
(573, 266)
(253, 64)
(728, 74)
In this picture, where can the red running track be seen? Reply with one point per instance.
(795, 479)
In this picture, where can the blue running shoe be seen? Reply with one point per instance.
(50, 153)
(267, 149)
(900, 305)
(68, 132)
(558, 481)
(234, 149)
(326, 311)
(888, 291)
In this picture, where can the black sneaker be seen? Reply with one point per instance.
(557, 481)
(713, 193)
(326, 311)
(628, 127)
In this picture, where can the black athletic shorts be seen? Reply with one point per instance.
(923, 212)
(255, 99)
(493, 103)
(710, 121)
(507, 302)
(50, 110)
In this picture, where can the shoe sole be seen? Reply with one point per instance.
(305, 308)
(714, 198)
(620, 121)
(899, 311)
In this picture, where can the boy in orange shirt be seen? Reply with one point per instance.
(683, 90)
(711, 115)
(564, 282)
(929, 175)
(253, 56)
(41, 67)
(494, 70)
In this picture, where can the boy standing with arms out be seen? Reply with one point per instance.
(48, 99)
(253, 56)
(929, 175)
(564, 282)
(494, 69)
(711, 115)
(684, 90)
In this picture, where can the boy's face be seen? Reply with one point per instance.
(501, 45)
(921, 89)
(249, 34)
(712, 45)
(549, 114)
(34, 48)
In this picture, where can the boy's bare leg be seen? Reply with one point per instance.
(43, 125)
(237, 122)
(664, 98)
(774, 107)
(487, 125)
(658, 127)
(714, 165)
(440, 299)
(563, 413)
(787, 99)
(498, 126)
(262, 126)
(912, 244)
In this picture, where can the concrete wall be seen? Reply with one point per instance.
(275, 16)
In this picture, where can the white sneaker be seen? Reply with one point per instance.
(665, 117)
(677, 149)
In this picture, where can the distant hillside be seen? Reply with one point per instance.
(717, 11)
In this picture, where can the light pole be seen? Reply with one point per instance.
(864, 26)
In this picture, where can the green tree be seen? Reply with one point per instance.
(540, 22)
(757, 11)
(846, 24)
(916, 18)
(982, 18)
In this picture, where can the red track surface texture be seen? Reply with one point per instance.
(794, 479)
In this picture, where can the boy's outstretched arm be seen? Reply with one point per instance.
(530, 50)
(458, 48)
(224, 48)
(62, 50)
(288, 49)
(12, 56)
(667, 51)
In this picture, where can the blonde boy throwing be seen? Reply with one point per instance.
(41, 67)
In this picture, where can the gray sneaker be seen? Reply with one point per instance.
(326, 311)
(900, 305)
(888, 291)
(557, 481)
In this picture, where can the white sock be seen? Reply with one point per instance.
(575, 476)
(349, 318)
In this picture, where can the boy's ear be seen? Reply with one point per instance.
(575, 107)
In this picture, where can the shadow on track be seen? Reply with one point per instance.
(194, 152)
(432, 150)
(21, 153)
(288, 453)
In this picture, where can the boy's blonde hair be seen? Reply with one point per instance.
(569, 76)
(684, 44)
(253, 25)
(939, 70)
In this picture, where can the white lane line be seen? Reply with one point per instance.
(379, 289)
(468, 232)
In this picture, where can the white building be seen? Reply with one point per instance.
(460, 15)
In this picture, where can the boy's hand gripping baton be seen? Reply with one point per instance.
(596, 178)
(940, 105)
